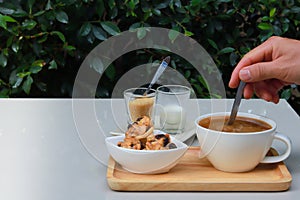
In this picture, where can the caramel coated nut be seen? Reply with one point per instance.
(146, 134)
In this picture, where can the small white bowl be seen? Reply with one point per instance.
(145, 161)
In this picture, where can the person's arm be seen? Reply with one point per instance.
(269, 67)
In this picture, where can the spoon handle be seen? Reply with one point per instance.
(160, 70)
(236, 102)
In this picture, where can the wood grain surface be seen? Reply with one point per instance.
(194, 174)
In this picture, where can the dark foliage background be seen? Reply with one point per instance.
(43, 42)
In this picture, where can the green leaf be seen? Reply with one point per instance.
(23, 74)
(4, 93)
(111, 4)
(69, 48)
(202, 81)
(264, 26)
(134, 26)
(15, 47)
(100, 8)
(231, 11)
(265, 36)
(162, 5)
(8, 19)
(9, 41)
(213, 44)
(18, 82)
(5, 52)
(295, 9)
(188, 33)
(43, 39)
(286, 94)
(30, 3)
(39, 13)
(35, 69)
(52, 65)
(244, 49)
(110, 27)
(156, 12)
(3, 60)
(265, 18)
(36, 66)
(141, 33)
(20, 13)
(27, 84)
(187, 74)
(131, 4)
(272, 12)
(173, 64)
(97, 65)
(195, 3)
(90, 38)
(233, 58)
(285, 27)
(173, 34)
(12, 77)
(60, 35)
(146, 8)
(6, 11)
(226, 50)
(177, 3)
(110, 72)
(198, 88)
(185, 20)
(99, 33)
(39, 63)
(85, 29)
(62, 17)
(113, 13)
(277, 30)
(3, 23)
(48, 5)
(216, 96)
(4, 19)
(29, 24)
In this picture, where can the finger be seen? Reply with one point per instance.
(261, 53)
(268, 90)
(248, 91)
(278, 85)
(273, 86)
(275, 99)
(234, 80)
(263, 94)
(260, 71)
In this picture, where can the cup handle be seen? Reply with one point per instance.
(274, 159)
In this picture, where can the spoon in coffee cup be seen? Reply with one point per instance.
(236, 103)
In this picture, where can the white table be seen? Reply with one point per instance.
(43, 158)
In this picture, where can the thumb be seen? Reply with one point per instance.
(258, 72)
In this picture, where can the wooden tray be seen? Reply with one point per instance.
(193, 174)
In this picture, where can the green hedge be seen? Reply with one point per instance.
(44, 42)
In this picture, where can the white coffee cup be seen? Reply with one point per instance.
(239, 152)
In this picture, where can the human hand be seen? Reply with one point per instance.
(268, 68)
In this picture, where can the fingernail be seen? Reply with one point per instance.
(245, 75)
